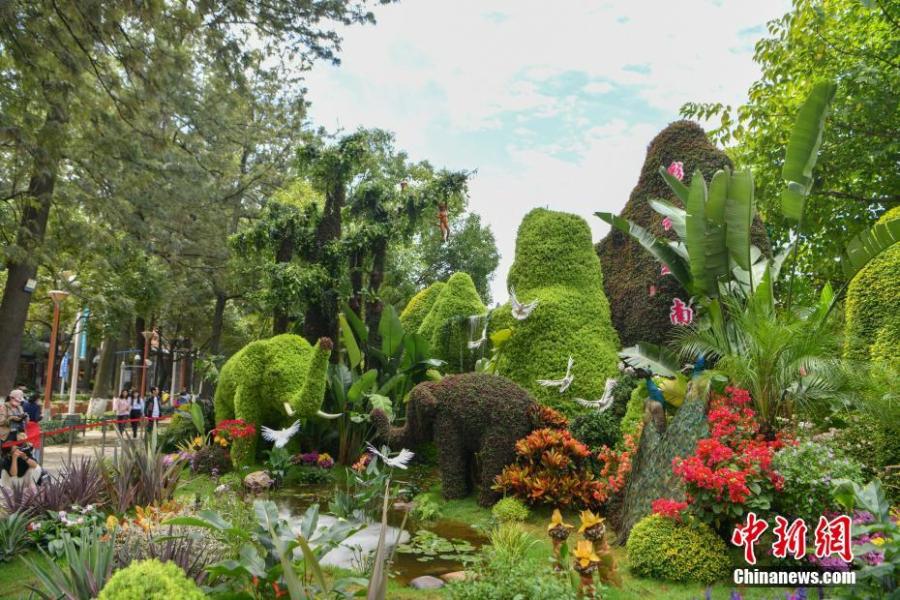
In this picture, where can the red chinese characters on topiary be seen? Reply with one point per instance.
(731, 471)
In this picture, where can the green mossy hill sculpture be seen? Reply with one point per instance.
(151, 580)
(465, 415)
(255, 383)
(446, 325)
(419, 306)
(628, 270)
(555, 264)
(873, 307)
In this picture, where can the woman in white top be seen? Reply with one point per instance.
(137, 411)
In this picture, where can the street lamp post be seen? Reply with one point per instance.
(57, 296)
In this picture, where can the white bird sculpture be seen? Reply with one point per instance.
(520, 311)
(477, 343)
(400, 461)
(604, 402)
(280, 437)
(564, 383)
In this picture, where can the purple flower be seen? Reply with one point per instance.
(873, 558)
(310, 458)
(735, 595)
(862, 517)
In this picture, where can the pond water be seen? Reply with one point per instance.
(436, 561)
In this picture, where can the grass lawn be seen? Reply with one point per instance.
(15, 575)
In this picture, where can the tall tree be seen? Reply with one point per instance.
(67, 64)
(857, 44)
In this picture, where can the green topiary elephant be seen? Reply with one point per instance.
(468, 416)
(261, 377)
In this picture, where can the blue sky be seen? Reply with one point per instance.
(552, 103)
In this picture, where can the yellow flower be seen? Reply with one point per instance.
(588, 520)
(198, 442)
(879, 541)
(585, 555)
(557, 521)
(221, 441)
(112, 522)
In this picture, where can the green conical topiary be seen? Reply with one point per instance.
(446, 325)
(419, 306)
(629, 271)
(873, 298)
(555, 264)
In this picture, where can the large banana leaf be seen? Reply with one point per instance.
(739, 211)
(869, 244)
(354, 355)
(679, 188)
(653, 358)
(675, 214)
(391, 330)
(658, 248)
(695, 226)
(803, 149)
(717, 196)
(716, 257)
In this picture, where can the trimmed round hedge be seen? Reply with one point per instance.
(419, 306)
(510, 510)
(150, 580)
(555, 264)
(628, 269)
(873, 319)
(661, 548)
(446, 324)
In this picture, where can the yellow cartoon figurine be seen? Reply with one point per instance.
(559, 532)
(593, 528)
(586, 564)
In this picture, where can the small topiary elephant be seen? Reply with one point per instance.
(257, 381)
(466, 415)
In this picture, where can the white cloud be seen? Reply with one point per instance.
(442, 75)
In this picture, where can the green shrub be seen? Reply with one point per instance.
(808, 470)
(180, 429)
(622, 394)
(419, 306)
(628, 269)
(427, 508)
(499, 579)
(150, 580)
(555, 264)
(446, 325)
(300, 474)
(873, 320)
(874, 442)
(510, 510)
(634, 412)
(596, 429)
(661, 548)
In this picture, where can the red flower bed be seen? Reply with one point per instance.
(731, 471)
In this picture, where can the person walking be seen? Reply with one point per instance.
(137, 411)
(122, 408)
(153, 408)
(12, 415)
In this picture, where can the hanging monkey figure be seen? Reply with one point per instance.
(444, 220)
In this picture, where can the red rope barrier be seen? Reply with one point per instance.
(84, 426)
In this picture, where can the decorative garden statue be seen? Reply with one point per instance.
(466, 415)
(272, 382)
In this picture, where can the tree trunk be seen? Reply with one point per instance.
(106, 367)
(32, 228)
(374, 306)
(218, 321)
(321, 315)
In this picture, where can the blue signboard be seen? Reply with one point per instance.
(64, 367)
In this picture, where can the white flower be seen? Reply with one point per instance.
(221, 488)
(62, 515)
(88, 508)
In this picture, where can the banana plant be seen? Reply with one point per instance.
(371, 376)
